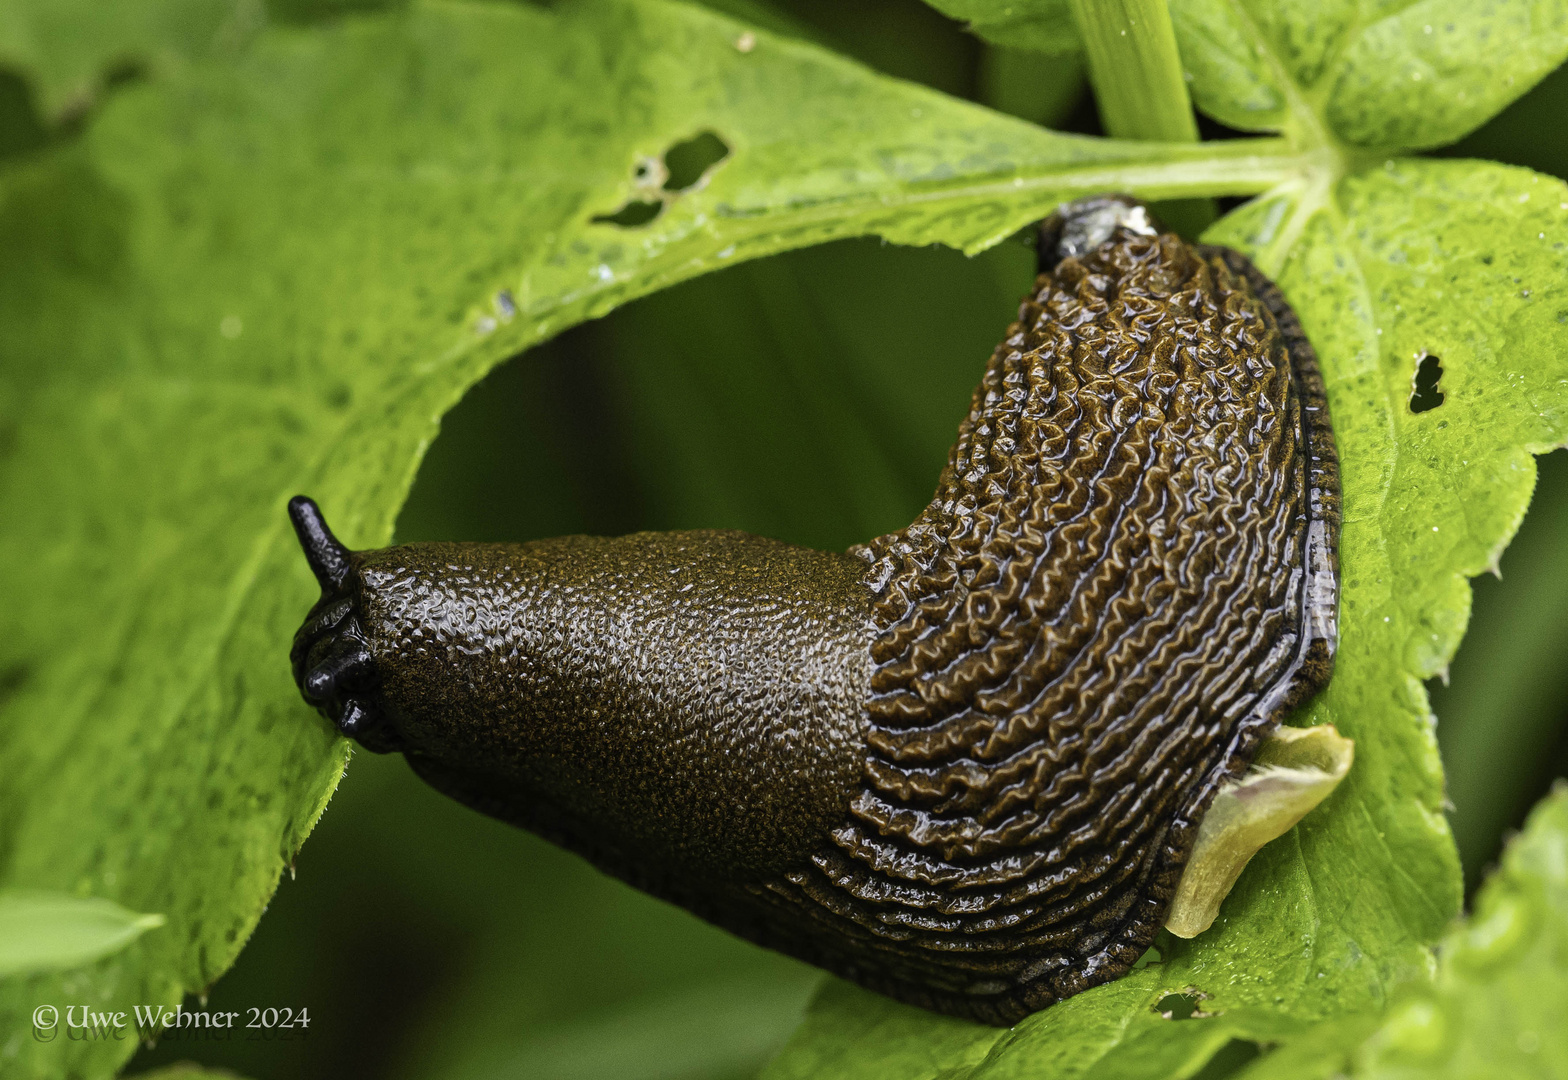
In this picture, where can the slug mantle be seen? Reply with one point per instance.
(964, 764)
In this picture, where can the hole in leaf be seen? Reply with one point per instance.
(1183, 1006)
(635, 213)
(649, 172)
(1151, 955)
(1424, 394)
(688, 162)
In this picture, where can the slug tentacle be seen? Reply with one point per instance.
(329, 559)
(331, 660)
(966, 763)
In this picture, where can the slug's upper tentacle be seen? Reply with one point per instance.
(329, 559)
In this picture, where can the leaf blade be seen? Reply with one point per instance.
(1042, 26)
(45, 931)
(1496, 1004)
(1435, 71)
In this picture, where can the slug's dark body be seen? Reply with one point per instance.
(963, 765)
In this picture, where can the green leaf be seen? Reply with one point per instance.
(269, 274)
(1502, 991)
(45, 931)
(1411, 75)
(1043, 26)
(1496, 1006)
(1437, 70)
(722, 1029)
(852, 1033)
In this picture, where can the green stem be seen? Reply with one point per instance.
(1135, 69)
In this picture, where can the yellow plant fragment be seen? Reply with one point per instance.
(1295, 769)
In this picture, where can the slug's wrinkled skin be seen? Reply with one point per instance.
(964, 764)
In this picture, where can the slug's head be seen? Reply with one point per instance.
(333, 667)
(1079, 227)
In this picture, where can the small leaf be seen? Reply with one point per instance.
(1436, 71)
(1425, 75)
(48, 931)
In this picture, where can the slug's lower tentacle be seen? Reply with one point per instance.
(338, 665)
(966, 763)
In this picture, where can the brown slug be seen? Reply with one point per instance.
(965, 764)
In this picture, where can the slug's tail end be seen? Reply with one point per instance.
(1077, 228)
(328, 558)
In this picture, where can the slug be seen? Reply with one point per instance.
(964, 764)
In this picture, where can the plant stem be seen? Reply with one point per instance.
(1135, 69)
(1139, 86)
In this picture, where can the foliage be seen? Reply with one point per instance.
(273, 262)
(1040, 26)
(42, 931)
(1496, 1006)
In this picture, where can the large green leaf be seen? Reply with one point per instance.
(273, 272)
(1497, 1005)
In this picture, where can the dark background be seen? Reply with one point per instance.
(811, 397)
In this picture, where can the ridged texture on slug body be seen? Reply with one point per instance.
(967, 766)
(1126, 577)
